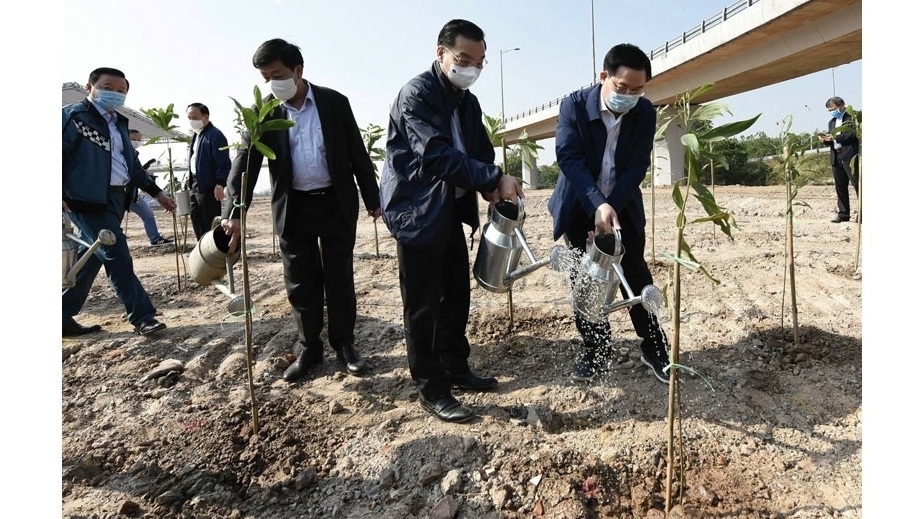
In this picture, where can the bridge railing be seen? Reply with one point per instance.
(697, 30)
(702, 27)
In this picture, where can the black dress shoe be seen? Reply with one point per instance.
(302, 365)
(148, 327)
(471, 382)
(838, 219)
(354, 363)
(71, 328)
(446, 408)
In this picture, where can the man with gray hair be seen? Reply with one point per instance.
(844, 146)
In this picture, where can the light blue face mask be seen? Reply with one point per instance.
(109, 100)
(837, 113)
(620, 103)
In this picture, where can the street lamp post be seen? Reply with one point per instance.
(502, 99)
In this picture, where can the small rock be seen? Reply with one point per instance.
(305, 478)
(451, 483)
(129, 508)
(445, 508)
(335, 407)
(387, 478)
(163, 368)
(430, 473)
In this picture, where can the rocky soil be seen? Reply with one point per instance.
(770, 426)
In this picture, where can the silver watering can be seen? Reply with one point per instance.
(210, 260)
(599, 275)
(500, 249)
(70, 264)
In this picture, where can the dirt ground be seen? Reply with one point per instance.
(771, 428)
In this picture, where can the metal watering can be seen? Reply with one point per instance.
(500, 249)
(210, 260)
(70, 264)
(599, 275)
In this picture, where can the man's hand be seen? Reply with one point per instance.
(231, 228)
(165, 201)
(375, 213)
(606, 219)
(219, 193)
(509, 188)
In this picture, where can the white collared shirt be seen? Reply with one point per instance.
(838, 123)
(607, 176)
(119, 175)
(308, 149)
(193, 169)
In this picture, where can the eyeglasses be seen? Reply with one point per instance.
(623, 90)
(467, 62)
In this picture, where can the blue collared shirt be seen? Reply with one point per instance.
(119, 175)
(308, 149)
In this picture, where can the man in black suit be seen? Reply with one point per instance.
(844, 145)
(314, 202)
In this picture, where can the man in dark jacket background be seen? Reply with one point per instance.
(209, 166)
(99, 171)
(844, 146)
(438, 157)
(604, 138)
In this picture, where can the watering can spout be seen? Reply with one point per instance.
(70, 244)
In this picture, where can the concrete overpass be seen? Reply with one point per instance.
(749, 45)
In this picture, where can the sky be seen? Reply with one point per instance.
(200, 51)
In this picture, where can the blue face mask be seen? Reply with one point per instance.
(837, 113)
(620, 103)
(109, 100)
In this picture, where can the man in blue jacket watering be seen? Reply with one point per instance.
(604, 138)
(99, 170)
(438, 157)
(209, 165)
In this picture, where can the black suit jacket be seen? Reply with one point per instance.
(346, 157)
(847, 138)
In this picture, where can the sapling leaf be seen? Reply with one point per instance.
(265, 150)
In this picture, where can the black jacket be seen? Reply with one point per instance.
(847, 138)
(423, 167)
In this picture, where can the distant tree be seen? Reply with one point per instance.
(549, 173)
(739, 171)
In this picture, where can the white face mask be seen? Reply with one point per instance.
(463, 77)
(283, 89)
(136, 144)
(196, 124)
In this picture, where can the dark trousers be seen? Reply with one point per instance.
(435, 287)
(842, 173)
(596, 337)
(316, 251)
(203, 207)
(116, 259)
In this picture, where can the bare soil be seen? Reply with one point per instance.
(771, 426)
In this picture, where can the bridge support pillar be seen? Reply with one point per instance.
(668, 154)
(530, 174)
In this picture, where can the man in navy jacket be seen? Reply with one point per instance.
(604, 139)
(209, 165)
(438, 157)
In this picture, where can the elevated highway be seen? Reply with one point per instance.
(749, 45)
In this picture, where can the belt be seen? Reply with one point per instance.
(313, 192)
(118, 188)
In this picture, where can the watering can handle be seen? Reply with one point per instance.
(618, 245)
(520, 208)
